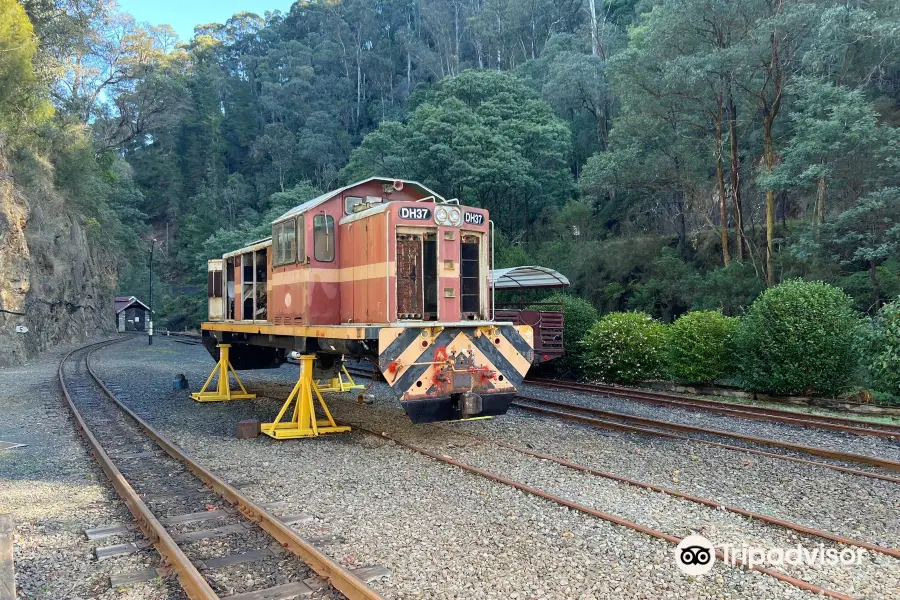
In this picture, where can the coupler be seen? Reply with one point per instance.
(223, 391)
(303, 422)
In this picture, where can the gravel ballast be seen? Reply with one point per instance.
(821, 438)
(444, 533)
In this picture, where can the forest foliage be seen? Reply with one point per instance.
(666, 155)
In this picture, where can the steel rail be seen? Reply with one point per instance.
(884, 463)
(894, 552)
(799, 583)
(604, 424)
(340, 578)
(726, 408)
(190, 578)
(634, 429)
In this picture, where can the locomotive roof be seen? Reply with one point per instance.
(329, 195)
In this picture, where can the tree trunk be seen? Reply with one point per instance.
(595, 33)
(820, 202)
(873, 277)
(736, 180)
(720, 180)
(769, 157)
(358, 87)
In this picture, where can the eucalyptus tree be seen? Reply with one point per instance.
(837, 142)
(681, 61)
(772, 55)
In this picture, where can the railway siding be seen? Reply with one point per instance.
(880, 447)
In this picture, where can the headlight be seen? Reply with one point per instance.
(444, 215)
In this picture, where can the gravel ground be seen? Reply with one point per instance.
(876, 577)
(55, 491)
(444, 533)
(822, 438)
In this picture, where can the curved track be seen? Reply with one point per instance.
(141, 478)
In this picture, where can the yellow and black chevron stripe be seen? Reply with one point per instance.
(432, 362)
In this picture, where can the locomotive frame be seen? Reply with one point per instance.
(382, 269)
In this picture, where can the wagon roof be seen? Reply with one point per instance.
(529, 277)
(257, 245)
(329, 195)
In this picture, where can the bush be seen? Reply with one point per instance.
(624, 347)
(700, 346)
(797, 338)
(882, 352)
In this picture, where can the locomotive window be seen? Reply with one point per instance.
(350, 202)
(284, 242)
(323, 238)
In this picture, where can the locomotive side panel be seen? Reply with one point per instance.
(378, 269)
(359, 312)
(348, 242)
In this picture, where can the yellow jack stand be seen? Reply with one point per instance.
(304, 422)
(223, 391)
(339, 385)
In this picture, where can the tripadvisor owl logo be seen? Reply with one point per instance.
(695, 555)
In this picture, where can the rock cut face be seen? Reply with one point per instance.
(54, 287)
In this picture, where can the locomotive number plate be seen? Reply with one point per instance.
(473, 218)
(415, 213)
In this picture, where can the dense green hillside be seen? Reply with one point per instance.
(611, 140)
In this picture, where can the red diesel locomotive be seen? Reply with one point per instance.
(385, 270)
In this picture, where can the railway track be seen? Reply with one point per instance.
(530, 489)
(178, 505)
(893, 552)
(661, 428)
(794, 581)
(727, 408)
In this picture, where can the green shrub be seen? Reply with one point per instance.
(624, 347)
(881, 348)
(700, 346)
(798, 338)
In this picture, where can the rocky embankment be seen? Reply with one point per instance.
(54, 286)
